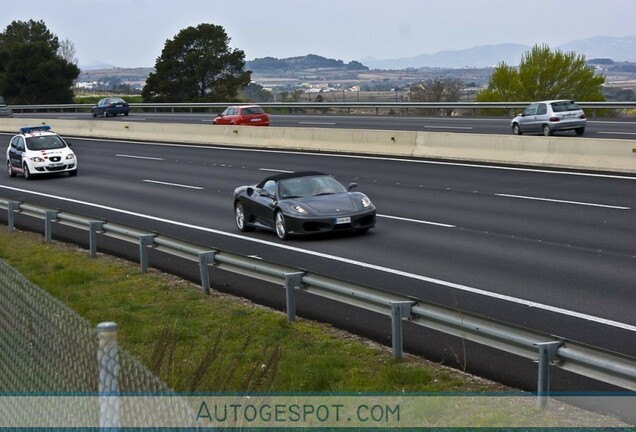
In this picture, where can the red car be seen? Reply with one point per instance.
(248, 115)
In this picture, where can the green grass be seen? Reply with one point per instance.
(196, 342)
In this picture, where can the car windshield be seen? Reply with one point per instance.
(309, 186)
(253, 110)
(564, 106)
(45, 142)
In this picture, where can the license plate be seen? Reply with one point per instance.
(256, 119)
(55, 165)
(342, 220)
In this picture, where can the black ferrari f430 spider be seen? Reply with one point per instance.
(299, 203)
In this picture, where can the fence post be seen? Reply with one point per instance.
(109, 369)
(399, 310)
(93, 227)
(205, 259)
(547, 357)
(145, 240)
(49, 217)
(293, 281)
(13, 206)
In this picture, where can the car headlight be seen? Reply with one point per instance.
(70, 156)
(37, 159)
(366, 202)
(298, 209)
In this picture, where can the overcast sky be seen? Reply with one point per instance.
(132, 33)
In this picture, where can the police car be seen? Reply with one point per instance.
(38, 150)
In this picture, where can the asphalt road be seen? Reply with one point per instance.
(553, 251)
(596, 128)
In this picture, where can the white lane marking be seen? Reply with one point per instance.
(616, 133)
(381, 158)
(317, 123)
(139, 157)
(449, 127)
(416, 221)
(563, 201)
(172, 184)
(274, 170)
(460, 287)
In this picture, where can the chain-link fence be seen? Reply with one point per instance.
(49, 351)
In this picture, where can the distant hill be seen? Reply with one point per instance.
(308, 62)
(616, 48)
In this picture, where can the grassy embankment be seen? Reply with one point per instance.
(196, 342)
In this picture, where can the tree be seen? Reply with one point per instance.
(31, 68)
(197, 66)
(67, 51)
(437, 90)
(544, 74)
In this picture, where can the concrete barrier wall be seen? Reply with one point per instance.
(560, 151)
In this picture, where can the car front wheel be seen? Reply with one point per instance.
(281, 226)
(27, 173)
(239, 217)
(94, 114)
(516, 129)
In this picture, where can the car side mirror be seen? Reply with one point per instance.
(352, 186)
(265, 193)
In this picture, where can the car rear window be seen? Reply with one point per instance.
(564, 106)
(253, 110)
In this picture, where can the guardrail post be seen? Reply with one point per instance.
(109, 369)
(205, 259)
(293, 281)
(145, 240)
(399, 310)
(93, 227)
(547, 356)
(13, 206)
(49, 217)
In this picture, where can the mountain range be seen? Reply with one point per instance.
(619, 49)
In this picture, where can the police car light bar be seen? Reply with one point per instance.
(31, 129)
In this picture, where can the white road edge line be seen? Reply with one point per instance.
(172, 184)
(563, 201)
(592, 318)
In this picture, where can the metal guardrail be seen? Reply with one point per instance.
(548, 350)
(211, 106)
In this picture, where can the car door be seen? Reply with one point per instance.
(527, 122)
(265, 204)
(541, 117)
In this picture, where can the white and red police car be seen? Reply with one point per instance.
(38, 150)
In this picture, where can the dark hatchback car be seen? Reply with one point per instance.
(110, 106)
(5, 111)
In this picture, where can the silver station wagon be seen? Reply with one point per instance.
(547, 117)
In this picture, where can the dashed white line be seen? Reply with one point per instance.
(139, 157)
(172, 184)
(274, 170)
(564, 201)
(417, 221)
